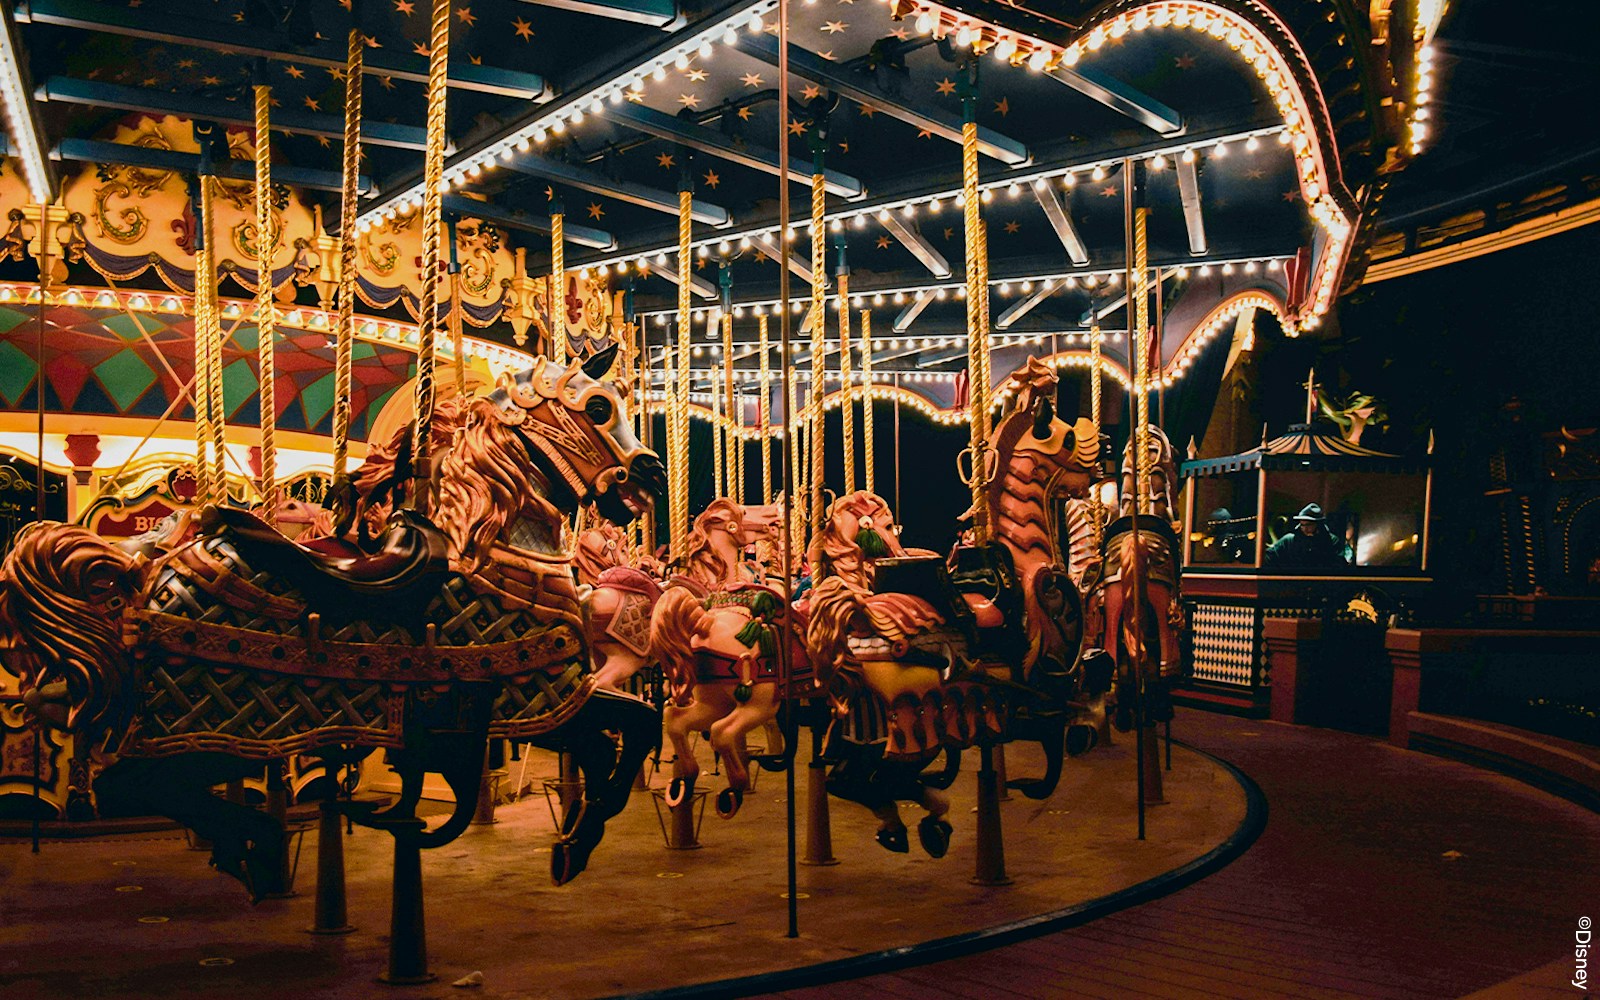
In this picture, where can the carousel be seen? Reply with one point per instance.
(518, 427)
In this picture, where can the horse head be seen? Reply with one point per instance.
(576, 430)
(859, 528)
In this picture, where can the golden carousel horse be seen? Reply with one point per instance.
(617, 600)
(196, 661)
(920, 656)
(715, 632)
(1109, 584)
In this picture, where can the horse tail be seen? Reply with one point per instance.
(61, 592)
(676, 621)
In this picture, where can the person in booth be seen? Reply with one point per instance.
(1310, 546)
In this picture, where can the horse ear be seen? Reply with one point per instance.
(1043, 419)
(600, 362)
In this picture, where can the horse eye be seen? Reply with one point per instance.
(598, 409)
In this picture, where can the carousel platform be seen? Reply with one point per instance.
(140, 915)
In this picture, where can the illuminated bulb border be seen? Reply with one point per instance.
(15, 102)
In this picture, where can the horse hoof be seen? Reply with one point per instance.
(1080, 740)
(728, 802)
(894, 839)
(934, 833)
(679, 790)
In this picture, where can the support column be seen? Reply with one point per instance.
(408, 935)
(819, 833)
(332, 915)
(991, 866)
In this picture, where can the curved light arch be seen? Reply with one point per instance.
(1216, 321)
(1306, 117)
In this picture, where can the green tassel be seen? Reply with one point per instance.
(872, 544)
(751, 634)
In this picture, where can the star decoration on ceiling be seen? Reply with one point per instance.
(770, 27)
(325, 142)
(524, 29)
(148, 81)
(810, 92)
(700, 264)
(945, 86)
(549, 193)
(1002, 107)
(828, 55)
(883, 243)
(751, 79)
(1291, 196)
(924, 133)
(387, 82)
(466, 17)
(475, 60)
(1185, 61)
(405, 7)
(210, 81)
(1109, 191)
(186, 64)
(949, 231)
(295, 72)
(711, 179)
(634, 96)
(421, 50)
(690, 101)
(696, 75)
(834, 27)
(901, 34)
(311, 102)
(1255, 173)
(746, 113)
(337, 72)
(797, 128)
(867, 111)
(595, 211)
(665, 160)
(1013, 226)
(844, 147)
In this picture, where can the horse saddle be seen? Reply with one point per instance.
(1161, 544)
(925, 577)
(987, 579)
(396, 582)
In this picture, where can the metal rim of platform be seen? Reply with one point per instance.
(1010, 932)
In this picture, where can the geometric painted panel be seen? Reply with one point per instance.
(100, 361)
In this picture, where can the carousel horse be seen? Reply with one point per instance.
(225, 645)
(1151, 538)
(715, 632)
(617, 600)
(919, 655)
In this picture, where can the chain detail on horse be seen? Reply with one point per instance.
(230, 644)
(921, 654)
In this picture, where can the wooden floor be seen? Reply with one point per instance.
(1381, 873)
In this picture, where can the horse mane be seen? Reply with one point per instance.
(833, 606)
(58, 589)
(485, 483)
(384, 480)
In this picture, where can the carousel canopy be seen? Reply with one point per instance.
(1313, 447)
(1260, 136)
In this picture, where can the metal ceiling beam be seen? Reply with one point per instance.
(518, 219)
(839, 79)
(919, 246)
(66, 90)
(15, 107)
(1021, 309)
(1061, 222)
(1101, 312)
(655, 13)
(1122, 99)
(625, 191)
(698, 285)
(909, 314)
(1193, 218)
(95, 151)
(797, 265)
(698, 137)
(204, 34)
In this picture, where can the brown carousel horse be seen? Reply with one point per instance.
(196, 661)
(715, 632)
(1150, 537)
(617, 600)
(920, 656)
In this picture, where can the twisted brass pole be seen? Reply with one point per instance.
(764, 414)
(866, 400)
(266, 307)
(206, 287)
(847, 409)
(558, 283)
(819, 333)
(433, 182)
(348, 210)
(1141, 321)
(680, 455)
(203, 493)
(977, 332)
